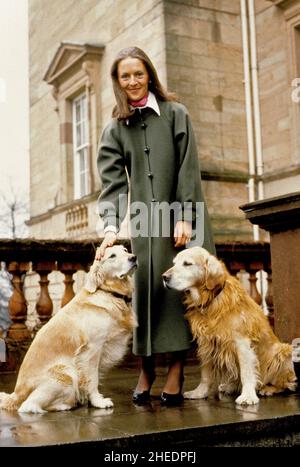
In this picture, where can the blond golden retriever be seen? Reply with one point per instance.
(85, 338)
(237, 348)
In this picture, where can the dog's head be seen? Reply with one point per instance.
(116, 264)
(195, 268)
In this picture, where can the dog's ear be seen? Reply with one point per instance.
(95, 277)
(214, 273)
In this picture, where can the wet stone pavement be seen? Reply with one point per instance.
(129, 428)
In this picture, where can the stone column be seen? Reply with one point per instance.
(280, 216)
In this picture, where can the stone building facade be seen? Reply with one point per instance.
(278, 38)
(198, 47)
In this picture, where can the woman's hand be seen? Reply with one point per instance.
(109, 240)
(182, 233)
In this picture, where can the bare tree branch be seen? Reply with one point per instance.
(14, 211)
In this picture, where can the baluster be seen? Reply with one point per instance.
(235, 267)
(81, 217)
(44, 305)
(253, 288)
(17, 303)
(77, 217)
(86, 216)
(68, 269)
(269, 297)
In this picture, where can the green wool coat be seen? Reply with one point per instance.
(159, 155)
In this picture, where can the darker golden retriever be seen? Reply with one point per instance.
(237, 348)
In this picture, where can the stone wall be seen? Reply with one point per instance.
(279, 63)
(198, 53)
(113, 23)
(205, 68)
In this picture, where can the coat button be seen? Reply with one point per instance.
(143, 126)
(146, 150)
(150, 175)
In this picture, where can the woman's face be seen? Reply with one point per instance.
(133, 78)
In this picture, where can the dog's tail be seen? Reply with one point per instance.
(9, 401)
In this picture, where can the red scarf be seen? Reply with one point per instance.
(141, 103)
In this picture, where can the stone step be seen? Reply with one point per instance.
(127, 428)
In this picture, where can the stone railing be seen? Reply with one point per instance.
(251, 258)
(68, 257)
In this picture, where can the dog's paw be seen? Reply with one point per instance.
(31, 407)
(106, 403)
(247, 399)
(268, 390)
(227, 388)
(8, 401)
(196, 394)
(60, 407)
(101, 402)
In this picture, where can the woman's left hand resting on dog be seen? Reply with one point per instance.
(182, 235)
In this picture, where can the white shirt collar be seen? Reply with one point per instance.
(151, 103)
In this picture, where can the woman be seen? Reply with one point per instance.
(151, 138)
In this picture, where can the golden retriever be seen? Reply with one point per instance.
(85, 338)
(237, 348)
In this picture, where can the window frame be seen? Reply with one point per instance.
(81, 177)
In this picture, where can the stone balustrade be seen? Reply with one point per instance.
(44, 256)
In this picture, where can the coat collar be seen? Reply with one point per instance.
(151, 104)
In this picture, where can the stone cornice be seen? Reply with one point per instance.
(225, 176)
(284, 3)
(282, 173)
(277, 214)
(290, 8)
(68, 56)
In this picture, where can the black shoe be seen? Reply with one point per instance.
(171, 400)
(141, 398)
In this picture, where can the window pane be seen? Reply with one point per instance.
(84, 107)
(82, 164)
(84, 120)
(78, 113)
(84, 132)
(83, 184)
(78, 136)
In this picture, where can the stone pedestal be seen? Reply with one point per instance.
(280, 216)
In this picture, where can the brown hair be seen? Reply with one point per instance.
(121, 111)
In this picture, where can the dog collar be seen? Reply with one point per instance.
(121, 296)
(218, 290)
